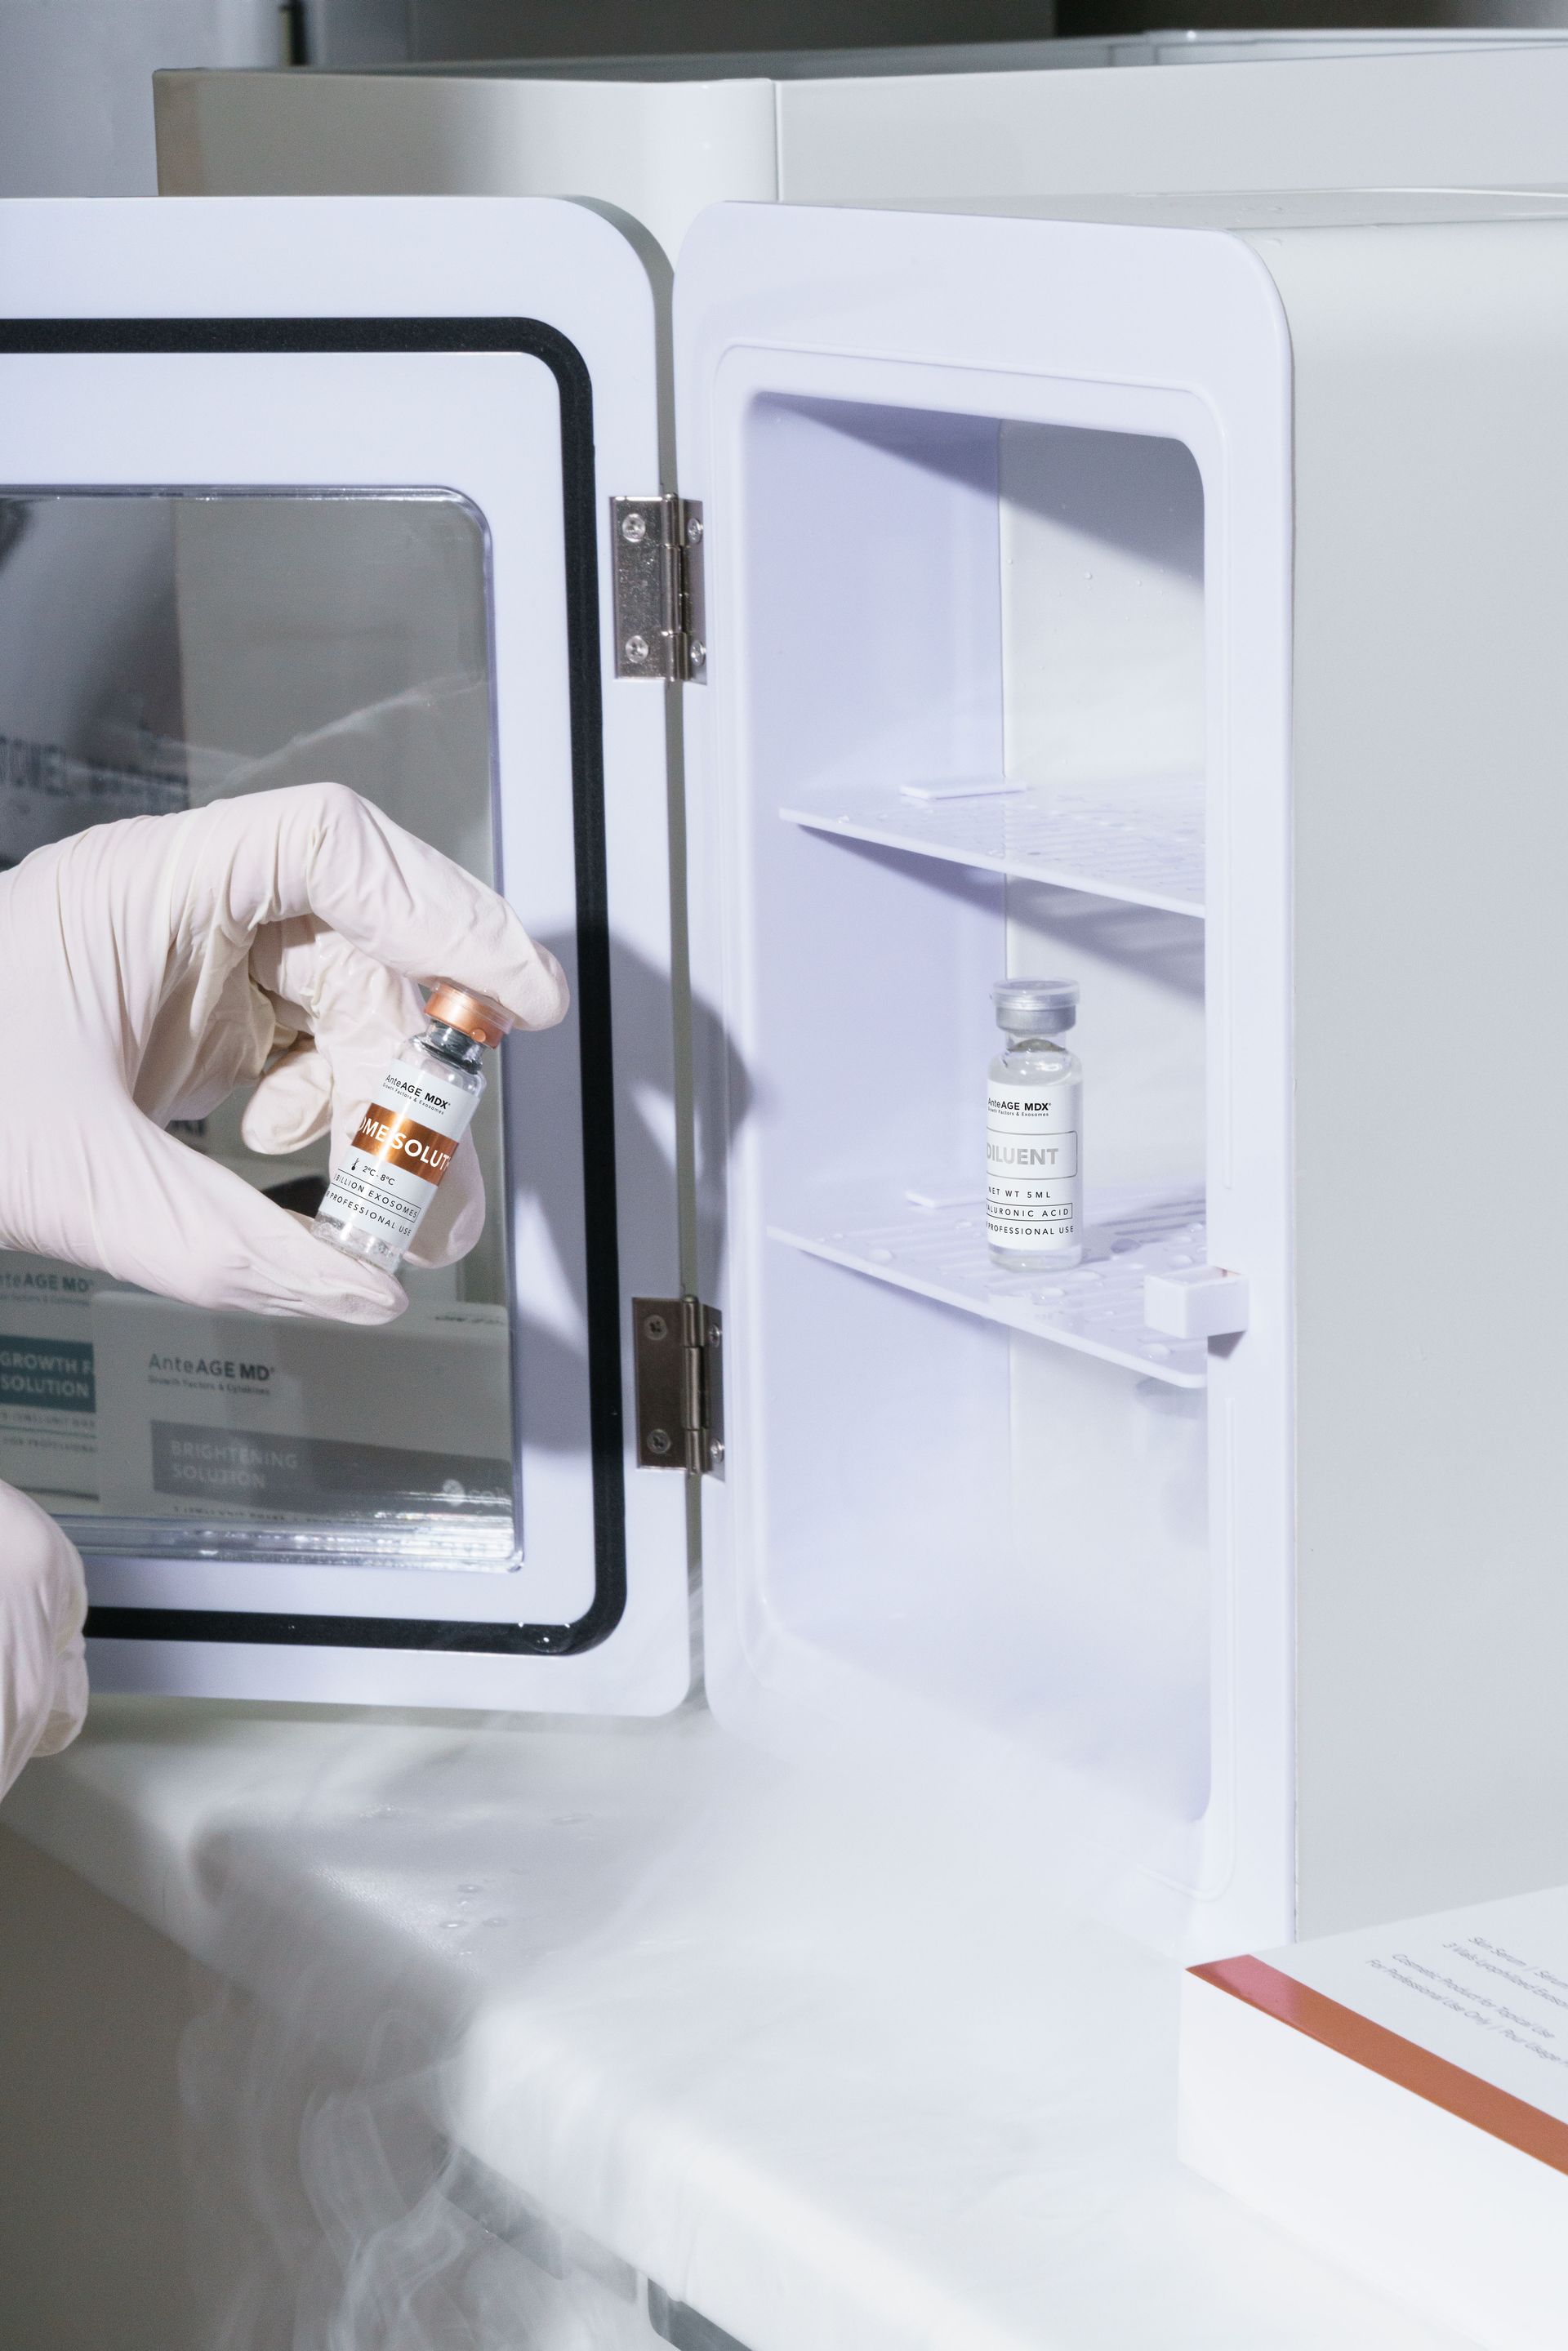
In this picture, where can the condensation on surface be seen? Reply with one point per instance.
(495, 1996)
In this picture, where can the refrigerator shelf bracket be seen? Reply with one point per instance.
(658, 579)
(680, 1385)
(1203, 1301)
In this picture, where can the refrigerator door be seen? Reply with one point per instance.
(999, 529)
(319, 489)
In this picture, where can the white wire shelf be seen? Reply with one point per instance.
(1139, 839)
(1096, 1307)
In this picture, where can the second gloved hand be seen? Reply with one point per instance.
(43, 1604)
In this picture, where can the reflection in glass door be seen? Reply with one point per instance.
(158, 651)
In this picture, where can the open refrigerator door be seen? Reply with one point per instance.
(303, 491)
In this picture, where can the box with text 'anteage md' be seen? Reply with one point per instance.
(1399, 2099)
(217, 1416)
(48, 1385)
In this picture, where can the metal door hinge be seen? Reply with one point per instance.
(680, 1385)
(658, 616)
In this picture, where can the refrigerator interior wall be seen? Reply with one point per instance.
(966, 1496)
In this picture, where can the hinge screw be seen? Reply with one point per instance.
(698, 653)
(694, 529)
(659, 1440)
(636, 649)
(655, 1327)
(716, 1448)
(634, 528)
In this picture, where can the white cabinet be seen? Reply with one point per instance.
(1000, 123)
(1213, 549)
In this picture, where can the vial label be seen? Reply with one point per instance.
(402, 1149)
(1034, 1192)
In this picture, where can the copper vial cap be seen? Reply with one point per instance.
(478, 1016)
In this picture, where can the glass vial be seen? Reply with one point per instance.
(403, 1146)
(1034, 1181)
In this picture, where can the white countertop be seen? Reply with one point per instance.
(837, 2084)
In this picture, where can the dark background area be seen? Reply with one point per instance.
(345, 31)
(1081, 17)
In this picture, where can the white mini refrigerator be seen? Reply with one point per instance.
(1160, 597)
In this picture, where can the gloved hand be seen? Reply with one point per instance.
(151, 967)
(43, 1600)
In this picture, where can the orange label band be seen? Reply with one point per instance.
(1418, 2070)
(401, 1141)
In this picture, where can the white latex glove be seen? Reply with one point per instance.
(43, 1600)
(150, 967)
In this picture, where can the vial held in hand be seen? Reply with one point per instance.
(403, 1144)
(1034, 1181)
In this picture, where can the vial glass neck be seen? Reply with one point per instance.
(454, 1045)
(1031, 1044)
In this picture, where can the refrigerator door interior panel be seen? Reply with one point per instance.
(998, 539)
(293, 492)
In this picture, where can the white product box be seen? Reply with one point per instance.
(207, 1416)
(1398, 2097)
(48, 1387)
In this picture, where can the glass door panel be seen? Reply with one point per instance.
(320, 488)
(159, 650)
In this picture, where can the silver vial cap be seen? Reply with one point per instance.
(1035, 1008)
